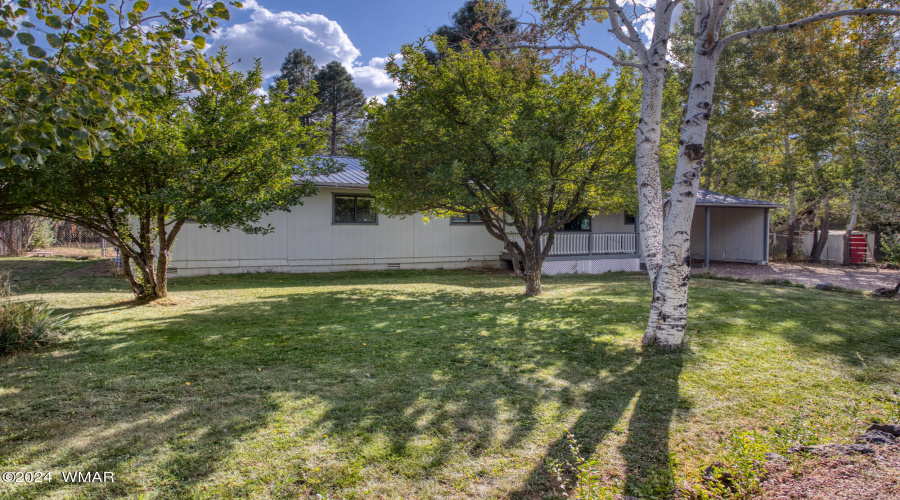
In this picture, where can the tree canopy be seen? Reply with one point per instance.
(478, 23)
(219, 159)
(66, 70)
(504, 138)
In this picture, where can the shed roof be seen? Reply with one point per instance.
(707, 198)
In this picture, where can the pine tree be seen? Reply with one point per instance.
(298, 70)
(478, 22)
(340, 101)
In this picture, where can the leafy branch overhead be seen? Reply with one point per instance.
(66, 70)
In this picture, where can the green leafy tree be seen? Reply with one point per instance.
(66, 70)
(478, 23)
(341, 102)
(221, 159)
(504, 138)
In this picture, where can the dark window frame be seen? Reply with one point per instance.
(630, 220)
(580, 216)
(468, 220)
(335, 196)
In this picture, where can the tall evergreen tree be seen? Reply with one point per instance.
(340, 101)
(482, 23)
(298, 70)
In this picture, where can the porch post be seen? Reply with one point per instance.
(766, 240)
(706, 241)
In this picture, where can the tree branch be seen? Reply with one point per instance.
(578, 46)
(775, 28)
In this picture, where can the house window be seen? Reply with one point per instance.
(349, 209)
(581, 222)
(470, 218)
(629, 219)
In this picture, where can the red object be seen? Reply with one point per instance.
(858, 249)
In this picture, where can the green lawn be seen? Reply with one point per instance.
(439, 384)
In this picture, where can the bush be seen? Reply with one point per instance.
(890, 246)
(26, 323)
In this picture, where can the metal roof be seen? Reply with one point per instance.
(352, 176)
(707, 198)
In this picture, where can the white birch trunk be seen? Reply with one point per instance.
(648, 134)
(668, 313)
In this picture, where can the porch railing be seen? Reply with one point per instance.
(588, 243)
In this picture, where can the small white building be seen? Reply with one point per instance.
(338, 230)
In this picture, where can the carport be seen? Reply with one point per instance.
(730, 228)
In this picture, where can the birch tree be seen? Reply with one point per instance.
(664, 223)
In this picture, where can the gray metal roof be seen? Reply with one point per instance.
(707, 198)
(352, 175)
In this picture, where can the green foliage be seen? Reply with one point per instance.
(73, 98)
(298, 70)
(222, 159)
(26, 323)
(477, 23)
(341, 103)
(502, 137)
(890, 245)
(879, 172)
(42, 235)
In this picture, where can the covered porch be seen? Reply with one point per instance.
(591, 245)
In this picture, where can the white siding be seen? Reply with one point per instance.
(736, 234)
(305, 240)
(610, 223)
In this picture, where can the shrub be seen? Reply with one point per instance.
(26, 323)
(890, 246)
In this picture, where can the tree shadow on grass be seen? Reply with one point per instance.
(418, 378)
(650, 390)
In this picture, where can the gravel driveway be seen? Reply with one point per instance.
(859, 278)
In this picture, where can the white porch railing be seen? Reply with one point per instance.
(588, 243)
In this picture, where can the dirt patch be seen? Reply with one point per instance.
(97, 268)
(874, 476)
(856, 278)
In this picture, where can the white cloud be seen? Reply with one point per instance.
(269, 36)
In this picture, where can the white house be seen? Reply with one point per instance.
(338, 230)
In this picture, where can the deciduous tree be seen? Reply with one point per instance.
(503, 138)
(665, 235)
(219, 159)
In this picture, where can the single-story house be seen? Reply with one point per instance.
(338, 230)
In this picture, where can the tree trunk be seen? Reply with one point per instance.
(532, 280)
(819, 243)
(854, 213)
(650, 199)
(668, 313)
(792, 219)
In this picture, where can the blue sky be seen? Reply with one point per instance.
(359, 34)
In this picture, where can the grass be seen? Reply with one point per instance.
(438, 384)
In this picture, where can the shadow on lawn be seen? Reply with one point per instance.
(464, 372)
(433, 374)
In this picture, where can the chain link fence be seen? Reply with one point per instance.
(42, 236)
